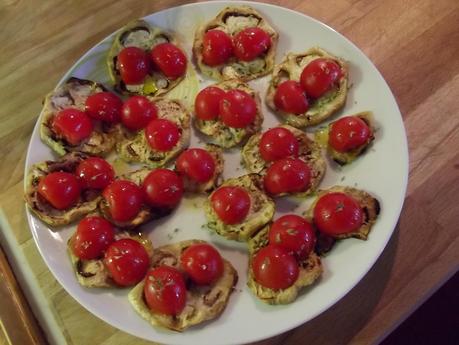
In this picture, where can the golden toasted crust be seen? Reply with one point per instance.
(226, 136)
(232, 20)
(260, 213)
(203, 302)
(320, 109)
(73, 94)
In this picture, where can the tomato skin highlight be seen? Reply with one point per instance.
(207, 103)
(237, 109)
(349, 133)
(231, 204)
(169, 59)
(278, 143)
(124, 199)
(93, 236)
(61, 189)
(95, 173)
(250, 43)
(137, 112)
(104, 106)
(162, 135)
(288, 175)
(319, 76)
(217, 47)
(73, 125)
(197, 164)
(133, 65)
(162, 188)
(291, 98)
(202, 263)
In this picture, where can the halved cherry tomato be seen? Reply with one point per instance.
(293, 233)
(203, 263)
(104, 106)
(237, 109)
(92, 238)
(274, 268)
(133, 65)
(232, 204)
(127, 261)
(348, 133)
(217, 47)
(95, 173)
(337, 213)
(165, 290)
(162, 135)
(278, 143)
(61, 189)
(291, 98)
(124, 199)
(287, 176)
(197, 164)
(162, 188)
(251, 43)
(73, 125)
(319, 76)
(137, 112)
(169, 59)
(207, 103)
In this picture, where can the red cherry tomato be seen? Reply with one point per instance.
(73, 125)
(162, 188)
(237, 109)
(232, 204)
(162, 135)
(293, 233)
(61, 189)
(137, 112)
(95, 173)
(287, 176)
(278, 143)
(92, 238)
(169, 59)
(274, 268)
(337, 213)
(165, 290)
(127, 261)
(124, 199)
(217, 47)
(203, 263)
(251, 43)
(104, 106)
(207, 103)
(319, 76)
(197, 164)
(291, 98)
(133, 65)
(348, 133)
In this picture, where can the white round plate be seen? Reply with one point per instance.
(382, 171)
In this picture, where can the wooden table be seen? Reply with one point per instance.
(415, 45)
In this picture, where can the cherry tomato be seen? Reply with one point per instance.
(92, 238)
(287, 176)
(293, 233)
(291, 98)
(274, 268)
(127, 261)
(165, 290)
(203, 263)
(162, 188)
(337, 213)
(232, 204)
(237, 109)
(348, 133)
(217, 47)
(95, 173)
(104, 106)
(278, 143)
(197, 164)
(61, 189)
(73, 125)
(124, 199)
(251, 43)
(137, 112)
(133, 65)
(162, 135)
(207, 103)
(319, 76)
(169, 59)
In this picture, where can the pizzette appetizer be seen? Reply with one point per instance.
(238, 43)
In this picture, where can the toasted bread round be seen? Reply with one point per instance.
(73, 94)
(310, 270)
(261, 210)
(320, 109)
(232, 20)
(134, 146)
(223, 135)
(202, 303)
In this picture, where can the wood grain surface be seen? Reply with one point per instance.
(415, 45)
